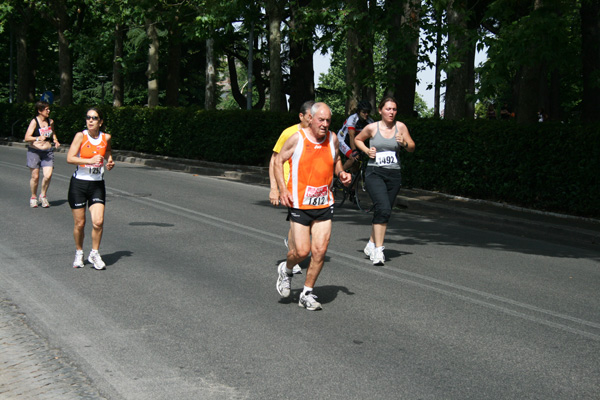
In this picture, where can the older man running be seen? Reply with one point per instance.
(314, 158)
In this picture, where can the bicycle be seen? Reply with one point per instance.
(356, 192)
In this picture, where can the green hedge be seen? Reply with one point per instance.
(549, 166)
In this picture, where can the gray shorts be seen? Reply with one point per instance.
(37, 158)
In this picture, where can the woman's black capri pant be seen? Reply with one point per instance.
(383, 186)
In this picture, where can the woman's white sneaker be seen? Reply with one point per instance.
(378, 258)
(369, 248)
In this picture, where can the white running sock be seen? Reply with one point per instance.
(306, 290)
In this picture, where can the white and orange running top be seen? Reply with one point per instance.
(311, 172)
(88, 149)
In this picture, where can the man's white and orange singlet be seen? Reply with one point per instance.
(311, 172)
(88, 149)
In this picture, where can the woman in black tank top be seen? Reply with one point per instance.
(40, 135)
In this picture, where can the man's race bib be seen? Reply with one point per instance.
(386, 158)
(316, 196)
(46, 131)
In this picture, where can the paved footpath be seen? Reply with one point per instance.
(31, 369)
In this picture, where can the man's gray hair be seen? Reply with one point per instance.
(316, 106)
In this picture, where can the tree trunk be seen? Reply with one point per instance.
(117, 80)
(152, 71)
(530, 81)
(274, 12)
(302, 82)
(173, 68)
(239, 98)
(65, 65)
(353, 58)
(528, 94)
(360, 82)
(438, 64)
(25, 65)
(555, 110)
(211, 76)
(403, 45)
(590, 53)
(470, 80)
(457, 76)
(369, 91)
(407, 84)
(258, 82)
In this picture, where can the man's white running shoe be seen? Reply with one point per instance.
(283, 281)
(309, 301)
(78, 262)
(96, 260)
(378, 258)
(369, 248)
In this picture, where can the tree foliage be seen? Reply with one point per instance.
(536, 51)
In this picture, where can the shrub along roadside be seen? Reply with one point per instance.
(548, 166)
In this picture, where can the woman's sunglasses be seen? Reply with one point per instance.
(93, 117)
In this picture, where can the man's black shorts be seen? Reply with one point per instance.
(306, 217)
(82, 193)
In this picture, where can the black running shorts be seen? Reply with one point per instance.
(82, 193)
(306, 217)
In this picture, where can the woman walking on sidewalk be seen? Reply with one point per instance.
(382, 177)
(40, 154)
(91, 152)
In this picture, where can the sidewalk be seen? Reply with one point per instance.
(31, 369)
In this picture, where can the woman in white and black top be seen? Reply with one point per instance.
(382, 177)
(40, 135)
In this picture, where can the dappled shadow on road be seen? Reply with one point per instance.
(408, 229)
(158, 224)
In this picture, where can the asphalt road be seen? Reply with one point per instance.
(187, 307)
